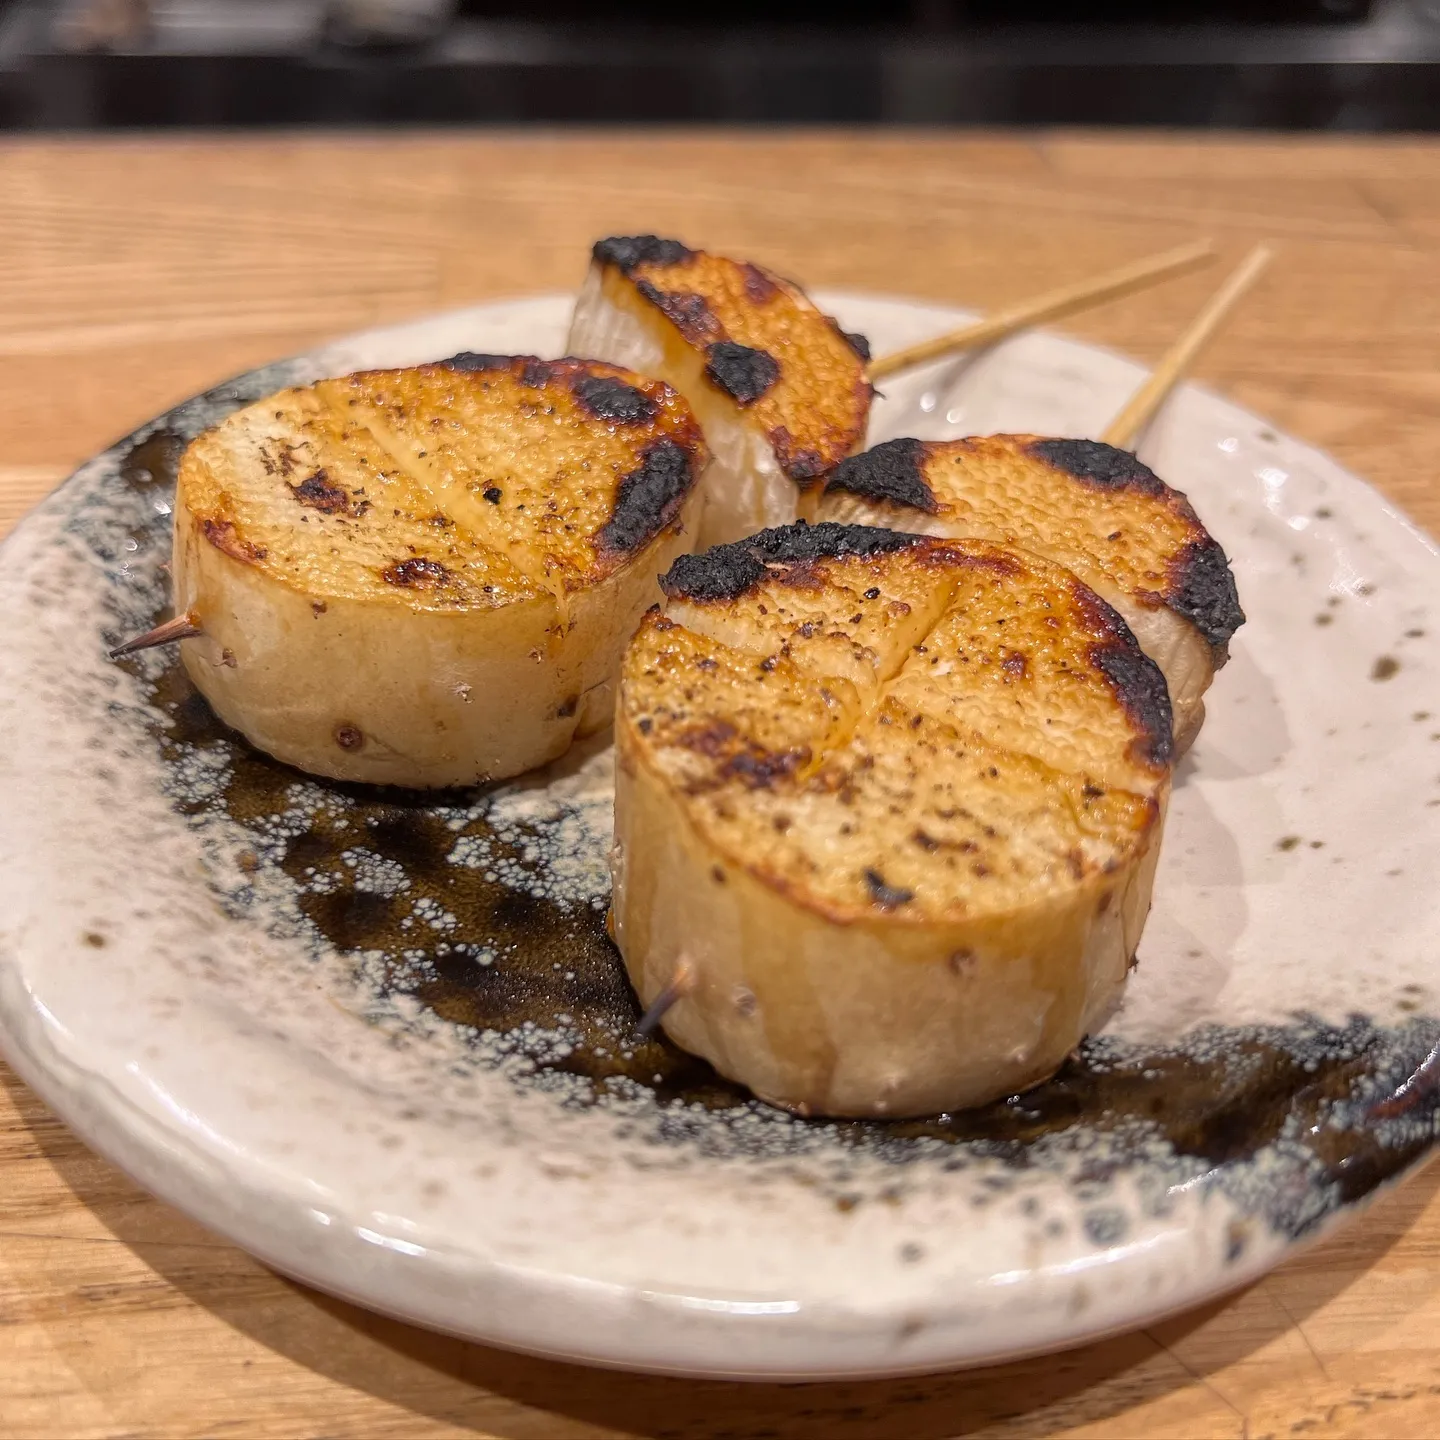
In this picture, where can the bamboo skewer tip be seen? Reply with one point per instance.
(182, 627)
(680, 984)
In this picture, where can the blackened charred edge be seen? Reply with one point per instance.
(528, 369)
(859, 343)
(649, 498)
(416, 574)
(800, 463)
(1099, 464)
(468, 361)
(627, 251)
(741, 371)
(805, 465)
(689, 313)
(599, 388)
(607, 398)
(1202, 589)
(1140, 687)
(539, 373)
(892, 473)
(728, 571)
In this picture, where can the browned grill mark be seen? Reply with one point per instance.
(996, 562)
(712, 739)
(740, 758)
(416, 574)
(760, 769)
(223, 535)
(320, 492)
(689, 313)
(282, 461)
(760, 287)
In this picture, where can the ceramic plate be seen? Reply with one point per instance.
(381, 1040)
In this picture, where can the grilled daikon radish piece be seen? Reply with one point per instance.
(888, 810)
(779, 389)
(1094, 509)
(426, 577)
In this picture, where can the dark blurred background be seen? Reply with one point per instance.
(1346, 65)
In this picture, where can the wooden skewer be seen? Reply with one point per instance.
(679, 986)
(1052, 305)
(182, 627)
(1143, 404)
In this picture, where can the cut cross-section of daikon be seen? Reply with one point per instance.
(426, 577)
(890, 807)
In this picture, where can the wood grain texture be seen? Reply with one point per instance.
(134, 273)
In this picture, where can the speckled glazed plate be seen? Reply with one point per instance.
(381, 1040)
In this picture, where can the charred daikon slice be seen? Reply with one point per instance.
(888, 810)
(426, 577)
(1090, 507)
(778, 387)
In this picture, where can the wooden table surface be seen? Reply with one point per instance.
(134, 273)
